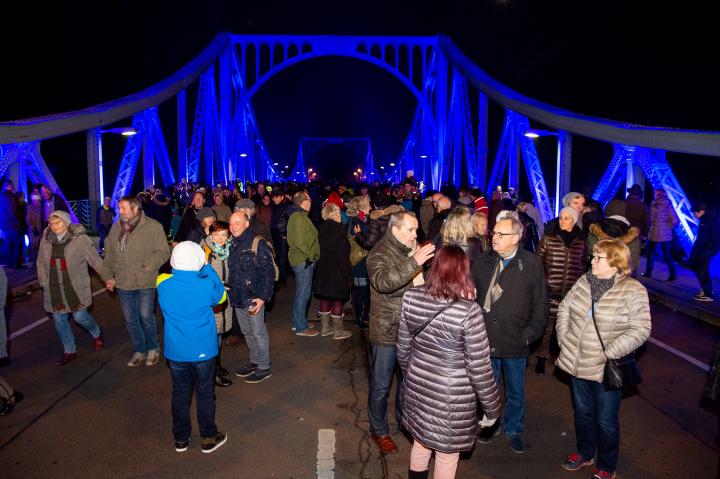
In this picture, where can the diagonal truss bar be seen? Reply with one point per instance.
(128, 164)
(614, 175)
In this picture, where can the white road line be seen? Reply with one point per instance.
(40, 321)
(680, 354)
(326, 454)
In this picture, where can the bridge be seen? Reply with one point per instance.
(446, 143)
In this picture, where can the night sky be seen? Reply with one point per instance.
(641, 63)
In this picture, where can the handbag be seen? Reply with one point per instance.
(619, 373)
(357, 252)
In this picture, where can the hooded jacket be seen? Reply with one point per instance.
(611, 228)
(662, 220)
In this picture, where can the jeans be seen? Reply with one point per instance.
(64, 330)
(281, 254)
(103, 232)
(667, 257)
(256, 336)
(382, 366)
(361, 300)
(701, 268)
(138, 307)
(513, 372)
(597, 426)
(303, 288)
(184, 376)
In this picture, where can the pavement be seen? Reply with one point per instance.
(97, 418)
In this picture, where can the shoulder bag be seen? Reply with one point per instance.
(619, 373)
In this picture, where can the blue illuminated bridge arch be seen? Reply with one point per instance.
(445, 144)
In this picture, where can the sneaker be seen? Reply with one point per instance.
(182, 446)
(246, 370)
(153, 357)
(699, 293)
(136, 359)
(703, 298)
(259, 376)
(210, 444)
(308, 333)
(575, 461)
(385, 444)
(99, 343)
(598, 474)
(222, 381)
(516, 443)
(488, 433)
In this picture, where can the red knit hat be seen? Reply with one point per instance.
(335, 199)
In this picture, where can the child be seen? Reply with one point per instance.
(186, 298)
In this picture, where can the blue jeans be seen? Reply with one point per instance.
(382, 366)
(64, 330)
(256, 336)
(513, 372)
(667, 257)
(597, 426)
(138, 307)
(303, 288)
(184, 376)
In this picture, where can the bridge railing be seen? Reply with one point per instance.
(83, 211)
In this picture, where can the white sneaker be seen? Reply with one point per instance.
(153, 357)
(136, 359)
(704, 299)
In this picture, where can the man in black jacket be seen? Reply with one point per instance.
(707, 245)
(511, 289)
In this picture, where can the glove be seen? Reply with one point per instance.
(307, 263)
(485, 422)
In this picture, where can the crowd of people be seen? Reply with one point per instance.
(455, 290)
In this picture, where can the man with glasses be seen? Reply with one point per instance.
(511, 289)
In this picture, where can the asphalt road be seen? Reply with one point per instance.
(97, 418)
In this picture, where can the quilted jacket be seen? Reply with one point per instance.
(623, 318)
(447, 371)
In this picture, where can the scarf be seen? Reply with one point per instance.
(599, 286)
(127, 227)
(494, 290)
(58, 265)
(569, 236)
(220, 252)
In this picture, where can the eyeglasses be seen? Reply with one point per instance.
(597, 257)
(502, 235)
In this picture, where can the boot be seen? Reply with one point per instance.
(339, 332)
(326, 330)
(418, 474)
(540, 366)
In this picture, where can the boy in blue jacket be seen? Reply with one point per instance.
(186, 298)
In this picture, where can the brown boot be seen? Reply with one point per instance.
(326, 330)
(339, 332)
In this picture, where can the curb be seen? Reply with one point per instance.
(694, 310)
(22, 290)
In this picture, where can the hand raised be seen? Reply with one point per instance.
(424, 253)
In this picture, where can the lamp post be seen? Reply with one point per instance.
(562, 165)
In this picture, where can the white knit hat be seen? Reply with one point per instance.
(187, 256)
(63, 215)
(571, 211)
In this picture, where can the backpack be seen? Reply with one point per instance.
(255, 243)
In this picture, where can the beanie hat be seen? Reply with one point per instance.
(244, 203)
(205, 212)
(569, 197)
(187, 256)
(336, 200)
(63, 215)
(572, 212)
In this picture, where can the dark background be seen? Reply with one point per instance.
(642, 63)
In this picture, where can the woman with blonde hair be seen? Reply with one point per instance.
(333, 279)
(605, 316)
(480, 241)
(357, 212)
(457, 228)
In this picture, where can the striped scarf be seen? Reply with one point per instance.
(127, 227)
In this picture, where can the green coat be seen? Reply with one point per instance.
(302, 238)
(145, 252)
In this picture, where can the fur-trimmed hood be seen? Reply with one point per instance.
(392, 209)
(609, 228)
(74, 230)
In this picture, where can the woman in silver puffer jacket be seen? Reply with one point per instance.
(444, 354)
(620, 307)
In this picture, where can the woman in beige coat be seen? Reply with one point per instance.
(621, 310)
(62, 268)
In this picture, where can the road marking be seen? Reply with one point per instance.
(326, 454)
(680, 354)
(40, 321)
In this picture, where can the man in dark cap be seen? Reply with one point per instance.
(636, 211)
(247, 206)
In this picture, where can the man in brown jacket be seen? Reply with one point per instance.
(135, 249)
(394, 265)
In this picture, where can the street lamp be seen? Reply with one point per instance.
(535, 134)
(124, 131)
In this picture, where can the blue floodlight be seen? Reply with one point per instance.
(538, 133)
(423, 156)
(124, 131)
(244, 155)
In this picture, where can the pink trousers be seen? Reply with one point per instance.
(445, 463)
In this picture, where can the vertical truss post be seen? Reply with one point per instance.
(93, 142)
(148, 162)
(182, 150)
(514, 161)
(225, 111)
(562, 172)
(441, 119)
(501, 157)
(480, 179)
